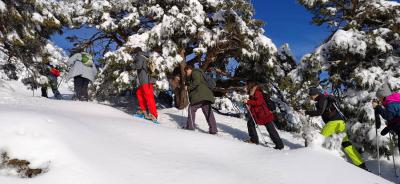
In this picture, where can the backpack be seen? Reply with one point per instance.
(270, 104)
(151, 66)
(55, 72)
(208, 80)
(87, 59)
(333, 107)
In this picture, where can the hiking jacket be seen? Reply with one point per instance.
(259, 109)
(141, 68)
(391, 111)
(79, 69)
(198, 89)
(325, 110)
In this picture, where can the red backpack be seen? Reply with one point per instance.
(55, 72)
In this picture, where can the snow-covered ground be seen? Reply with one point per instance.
(88, 143)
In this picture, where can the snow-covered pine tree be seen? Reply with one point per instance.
(206, 30)
(361, 54)
(25, 28)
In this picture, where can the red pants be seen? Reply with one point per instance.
(145, 98)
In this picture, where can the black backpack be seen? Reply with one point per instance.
(333, 107)
(270, 104)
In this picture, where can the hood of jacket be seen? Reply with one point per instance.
(395, 97)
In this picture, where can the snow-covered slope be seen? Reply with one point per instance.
(88, 143)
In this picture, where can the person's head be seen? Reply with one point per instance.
(137, 50)
(250, 85)
(188, 70)
(383, 92)
(313, 93)
(77, 49)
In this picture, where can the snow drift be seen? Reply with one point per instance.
(88, 143)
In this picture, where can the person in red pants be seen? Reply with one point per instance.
(145, 90)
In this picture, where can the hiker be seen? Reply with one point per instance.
(390, 111)
(52, 74)
(260, 113)
(334, 123)
(84, 71)
(144, 93)
(200, 96)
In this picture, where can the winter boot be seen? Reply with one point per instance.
(363, 166)
(250, 141)
(141, 114)
(151, 117)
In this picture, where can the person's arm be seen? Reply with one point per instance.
(71, 61)
(196, 80)
(257, 99)
(321, 106)
(139, 63)
(386, 114)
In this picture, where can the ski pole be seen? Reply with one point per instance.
(377, 125)
(377, 149)
(394, 162)
(262, 137)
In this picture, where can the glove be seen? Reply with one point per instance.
(385, 131)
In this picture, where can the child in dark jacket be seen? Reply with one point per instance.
(52, 74)
(260, 113)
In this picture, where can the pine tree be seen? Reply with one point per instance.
(205, 30)
(25, 29)
(361, 54)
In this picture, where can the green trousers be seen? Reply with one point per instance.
(338, 126)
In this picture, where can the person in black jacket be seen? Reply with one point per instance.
(334, 123)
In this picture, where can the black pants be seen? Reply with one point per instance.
(273, 134)
(81, 88)
(396, 130)
(53, 83)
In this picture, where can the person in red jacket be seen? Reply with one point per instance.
(261, 115)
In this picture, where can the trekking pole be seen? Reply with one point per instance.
(262, 137)
(394, 162)
(61, 81)
(377, 125)
(377, 149)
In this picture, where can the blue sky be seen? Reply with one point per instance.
(289, 22)
(286, 22)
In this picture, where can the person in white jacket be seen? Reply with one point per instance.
(83, 70)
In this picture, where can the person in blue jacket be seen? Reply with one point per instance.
(388, 107)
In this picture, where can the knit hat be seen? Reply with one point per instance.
(383, 91)
(314, 91)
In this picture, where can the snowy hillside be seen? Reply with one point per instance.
(78, 142)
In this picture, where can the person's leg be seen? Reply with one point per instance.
(209, 114)
(396, 131)
(251, 127)
(338, 126)
(85, 89)
(54, 87)
(44, 91)
(274, 135)
(150, 101)
(190, 125)
(77, 87)
(141, 99)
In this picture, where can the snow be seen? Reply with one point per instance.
(83, 142)
(311, 3)
(2, 6)
(350, 41)
(37, 17)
